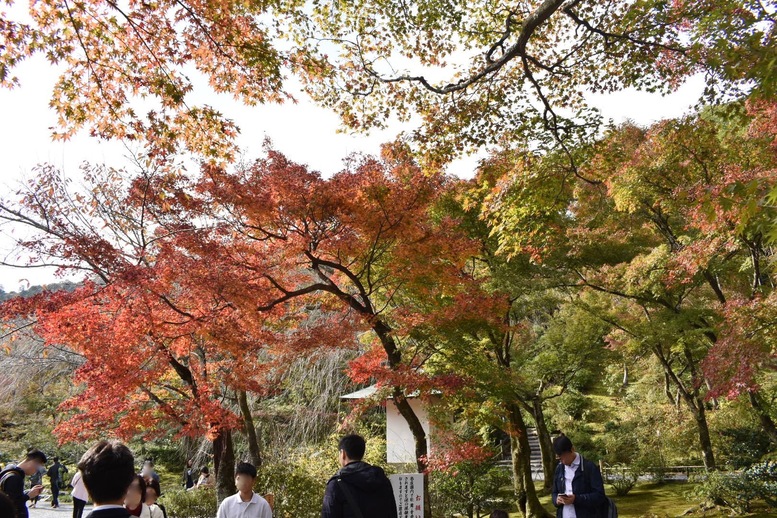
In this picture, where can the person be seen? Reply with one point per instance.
(205, 479)
(153, 492)
(245, 503)
(36, 480)
(498, 513)
(80, 494)
(55, 477)
(107, 469)
(578, 488)
(7, 507)
(12, 481)
(135, 501)
(358, 484)
(188, 475)
(147, 472)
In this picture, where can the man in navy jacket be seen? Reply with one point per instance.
(108, 469)
(358, 489)
(578, 489)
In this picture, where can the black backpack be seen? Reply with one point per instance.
(6, 474)
(612, 509)
(609, 509)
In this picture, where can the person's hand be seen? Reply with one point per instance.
(35, 491)
(566, 499)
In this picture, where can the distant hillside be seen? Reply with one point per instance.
(34, 290)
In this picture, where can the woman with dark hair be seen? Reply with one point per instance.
(205, 479)
(80, 494)
(135, 501)
(153, 492)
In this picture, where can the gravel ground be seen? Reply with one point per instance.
(44, 510)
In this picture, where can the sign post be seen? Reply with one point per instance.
(409, 494)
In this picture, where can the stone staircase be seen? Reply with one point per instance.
(536, 455)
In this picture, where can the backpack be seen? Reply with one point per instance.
(612, 509)
(609, 509)
(5, 475)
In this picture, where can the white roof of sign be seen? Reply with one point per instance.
(372, 389)
(362, 393)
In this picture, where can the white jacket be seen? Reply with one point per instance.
(151, 512)
(79, 489)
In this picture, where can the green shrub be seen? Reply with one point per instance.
(574, 404)
(296, 492)
(738, 490)
(764, 476)
(470, 489)
(745, 446)
(622, 478)
(200, 503)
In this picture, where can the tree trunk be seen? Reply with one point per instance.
(704, 435)
(419, 436)
(695, 404)
(224, 465)
(763, 416)
(528, 503)
(394, 356)
(546, 444)
(250, 428)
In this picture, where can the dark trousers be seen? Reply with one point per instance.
(78, 507)
(55, 493)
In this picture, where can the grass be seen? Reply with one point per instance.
(659, 501)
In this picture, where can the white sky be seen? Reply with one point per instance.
(305, 132)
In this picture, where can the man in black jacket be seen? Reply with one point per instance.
(358, 490)
(55, 477)
(108, 469)
(12, 481)
(578, 488)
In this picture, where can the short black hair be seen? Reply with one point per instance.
(56, 459)
(153, 484)
(562, 444)
(205, 470)
(245, 468)
(149, 461)
(354, 446)
(38, 455)
(108, 469)
(498, 513)
(7, 507)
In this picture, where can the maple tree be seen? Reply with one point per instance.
(213, 284)
(363, 243)
(658, 241)
(162, 349)
(506, 330)
(479, 73)
(474, 72)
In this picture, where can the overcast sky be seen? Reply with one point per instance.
(305, 132)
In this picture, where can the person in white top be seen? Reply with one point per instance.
(245, 503)
(205, 479)
(80, 494)
(578, 489)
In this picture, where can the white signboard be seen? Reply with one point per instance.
(409, 494)
(400, 444)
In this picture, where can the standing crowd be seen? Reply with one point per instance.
(106, 475)
(15, 500)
